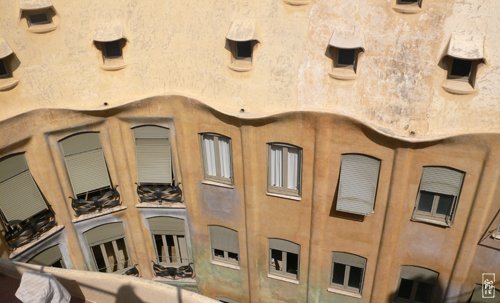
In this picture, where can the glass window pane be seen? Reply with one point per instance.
(232, 256)
(172, 254)
(99, 259)
(338, 273)
(292, 263)
(425, 202)
(405, 289)
(355, 276)
(160, 250)
(424, 291)
(225, 157)
(276, 169)
(276, 259)
(112, 260)
(122, 255)
(209, 154)
(219, 253)
(444, 205)
(293, 168)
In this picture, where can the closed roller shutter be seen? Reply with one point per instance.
(284, 245)
(85, 163)
(20, 198)
(104, 233)
(166, 226)
(418, 273)
(349, 259)
(47, 257)
(224, 239)
(358, 184)
(441, 180)
(153, 150)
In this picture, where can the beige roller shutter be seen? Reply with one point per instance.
(358, 184)
(104, 233)
(47, 257)
(20, 197)
(349, 259)
(166, 226)
(441, 180)
(154, 156)
(85, 162)
(224, 239)
(284, 245)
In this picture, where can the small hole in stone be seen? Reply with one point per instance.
(105, 103)
(412, 133)
(242, 110)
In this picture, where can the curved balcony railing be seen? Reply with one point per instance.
(19, 233)
(159, 193)
(185, 271)
(108, 199)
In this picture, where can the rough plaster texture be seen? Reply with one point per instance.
(179, 48)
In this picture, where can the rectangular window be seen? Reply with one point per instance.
(358, 184)
(438, 195)
(169, 240)
(416, 284)
(348, 272)
(108, 247)
(20, 197)
(284, 169)
(217, 162)
(225, 245)
(86, 165)
(49, 257)
(284, 258)
(154, 155)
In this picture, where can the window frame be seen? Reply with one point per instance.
(217, 159)
(432, 216)
(225, 258)
(416, 282)
(284, 256)
(284, 190)
(125, 263)
(347, 272)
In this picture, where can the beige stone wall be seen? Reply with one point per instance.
(179, 48)
(387, 238)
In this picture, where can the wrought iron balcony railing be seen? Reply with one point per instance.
(185, 271)
(108, 199)
(159, 193)
(19, 233)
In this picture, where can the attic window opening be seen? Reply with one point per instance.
(40, 15)
(240, 41)
(7, 65)
(110, 40)
(464, 54)
(408, 6)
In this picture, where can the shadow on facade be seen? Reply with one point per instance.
(418, 292)
(343, 215)
(126, 294)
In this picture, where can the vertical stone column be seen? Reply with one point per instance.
(43, 159)
(386, 272)
(117, 141)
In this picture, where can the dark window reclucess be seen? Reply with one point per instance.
(461, 68)
(244, 49)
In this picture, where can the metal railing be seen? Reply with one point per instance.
(108, 199)
(159, 193)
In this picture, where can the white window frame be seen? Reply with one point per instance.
(216, 159)
(121, 264)
(432, 216)
(347, 272)
(284, 254)
(283, 189)
(181, 260)
(225, 258)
